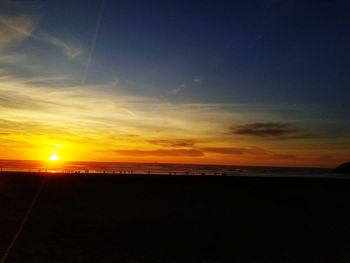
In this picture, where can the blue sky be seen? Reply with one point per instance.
(247, 52)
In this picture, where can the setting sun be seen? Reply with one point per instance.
(54, 157)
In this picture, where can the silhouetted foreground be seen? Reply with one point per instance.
(343, 168)
(176, 219)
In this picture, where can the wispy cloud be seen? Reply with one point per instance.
(183, 86)
(160, 152)
(264, 129)
(14, 29)
(71, 49)
(97, 107)
(12, 58)
(177, 89)
(271, 130)
(173, 142)
(236, 151)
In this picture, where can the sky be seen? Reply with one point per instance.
(208, 82)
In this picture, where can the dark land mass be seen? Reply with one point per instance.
(80, 218)
(343, 168)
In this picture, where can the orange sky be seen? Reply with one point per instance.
(94, 123)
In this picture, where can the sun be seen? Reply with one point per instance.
(54, 157)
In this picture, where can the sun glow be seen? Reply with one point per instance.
(54, 157)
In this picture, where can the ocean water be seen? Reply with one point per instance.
(162, 168)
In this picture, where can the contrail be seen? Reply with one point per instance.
(93, 43)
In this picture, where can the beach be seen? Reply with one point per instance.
(97, 218)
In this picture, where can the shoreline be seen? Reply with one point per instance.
(161, 175)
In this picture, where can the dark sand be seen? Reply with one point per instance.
(176, 219)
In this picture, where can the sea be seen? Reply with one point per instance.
(119, 168)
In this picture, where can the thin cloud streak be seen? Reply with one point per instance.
(264, 129)
(173, 142)
(236, 151)
(160, 153)
(94, 41)
(31, 100)
(12, 59)
(272, 130)
(14, 29)
(69, 49)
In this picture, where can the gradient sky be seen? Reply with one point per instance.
(224, 82)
